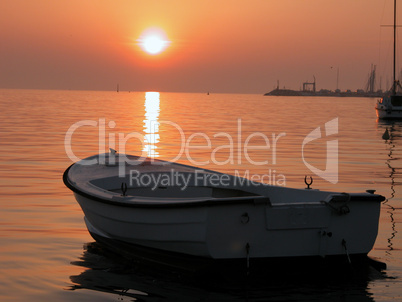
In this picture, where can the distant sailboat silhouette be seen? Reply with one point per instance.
(390, 107)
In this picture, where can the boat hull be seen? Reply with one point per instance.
(389, 114)
(239, 231)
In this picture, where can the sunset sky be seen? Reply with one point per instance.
(218, 46)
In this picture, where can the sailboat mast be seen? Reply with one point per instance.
(394, 74)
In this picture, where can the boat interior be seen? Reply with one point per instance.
(180, 192)
(150, 185)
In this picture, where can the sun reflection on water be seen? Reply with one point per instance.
(151, 124)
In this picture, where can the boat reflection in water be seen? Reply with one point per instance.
(151, 124)
(392, 136)
(105, 271)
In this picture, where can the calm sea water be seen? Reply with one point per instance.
(46, 251)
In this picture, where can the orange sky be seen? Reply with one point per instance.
(218, 46)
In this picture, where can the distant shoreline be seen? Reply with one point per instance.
(289, 92)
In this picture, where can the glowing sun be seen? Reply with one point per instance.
(153, 41)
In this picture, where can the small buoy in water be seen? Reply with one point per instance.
(386, 134)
